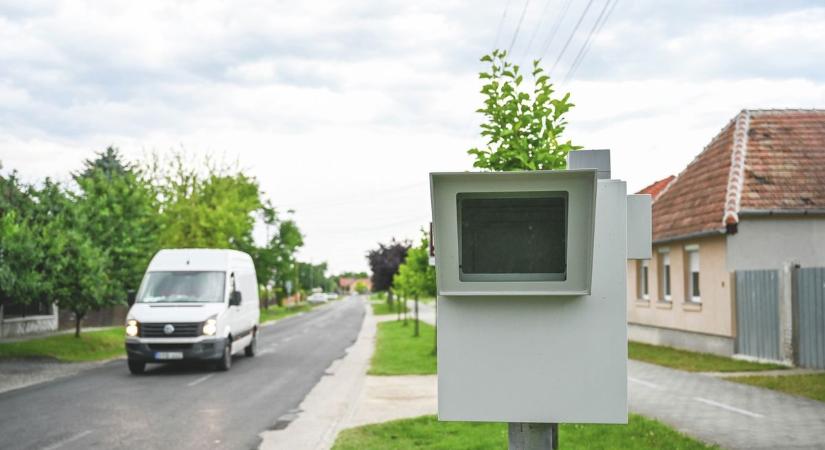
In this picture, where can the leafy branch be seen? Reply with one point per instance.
(523, 128)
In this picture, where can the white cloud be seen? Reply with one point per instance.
(340, 109)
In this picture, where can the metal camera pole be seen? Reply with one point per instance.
(533, 436)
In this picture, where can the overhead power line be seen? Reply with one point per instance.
(597, 27)
(555, 29)
(518, 26)
(537, 28)
(501, 23)
(572, 35)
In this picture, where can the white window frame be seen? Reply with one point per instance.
(693, 265)
(665, 275)
(644, 279)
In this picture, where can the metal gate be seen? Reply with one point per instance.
(757, 314)
(810, 316)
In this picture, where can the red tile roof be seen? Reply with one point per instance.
(657, 187)
(763, 160)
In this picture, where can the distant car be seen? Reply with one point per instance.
(332, 296)
(318, 297)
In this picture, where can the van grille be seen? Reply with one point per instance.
(155, 330)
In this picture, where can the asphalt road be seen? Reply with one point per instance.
(187, 406)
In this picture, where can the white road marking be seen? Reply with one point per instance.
(68, 440)
(265, 352)
(200, 380)
(728, 407)
(288, 338)
(645, 383)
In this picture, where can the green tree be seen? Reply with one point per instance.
(275, 261)
(76, 269)
(523, 129)
(21, 258)
(21, 280)
(217, 207)
(15, 196)
(216, 210)
(311, 276)
(402, 286)
(361, 287)
(416, 277)
(78, 272)
(122, 213)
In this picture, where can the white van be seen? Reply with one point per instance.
(194, 304)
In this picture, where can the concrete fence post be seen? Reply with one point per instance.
(786, 308)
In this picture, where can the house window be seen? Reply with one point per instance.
(643, 282)
(692, 263)
(665, 279)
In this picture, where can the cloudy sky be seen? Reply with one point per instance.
(341, 108)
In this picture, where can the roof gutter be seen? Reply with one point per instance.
(698, 234)
(782, 212)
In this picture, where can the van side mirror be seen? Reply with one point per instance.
(235, 298)
(130, 297)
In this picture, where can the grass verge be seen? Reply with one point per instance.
(279, 312)
(428, 433)
(805, 385)
(692, 361)
(90, 346)
(381, 308)
(397, 352)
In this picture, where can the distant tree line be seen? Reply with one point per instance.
(85, 244)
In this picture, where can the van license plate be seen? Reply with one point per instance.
(168, 355)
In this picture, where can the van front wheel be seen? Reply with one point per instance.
(136, 367)
(226, 359)
(250, 349)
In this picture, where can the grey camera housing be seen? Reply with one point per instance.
(557, 214)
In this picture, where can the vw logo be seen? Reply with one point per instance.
(168, 328)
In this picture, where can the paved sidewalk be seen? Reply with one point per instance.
(733, 415)
(395, 397)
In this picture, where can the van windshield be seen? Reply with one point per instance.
(182, 287)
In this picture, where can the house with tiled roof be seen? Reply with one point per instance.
(657, 187)
(348, 284)
(753, 199)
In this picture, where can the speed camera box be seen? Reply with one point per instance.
(514, 233)
(531, 310)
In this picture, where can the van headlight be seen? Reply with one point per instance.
(132, 328)
(210, 327)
